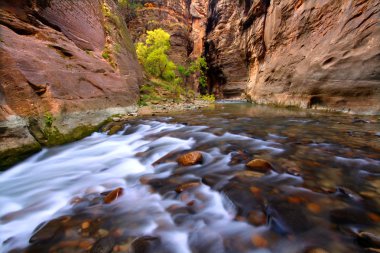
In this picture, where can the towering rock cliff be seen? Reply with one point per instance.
(65, 65)
(184, 20)
(297, 52)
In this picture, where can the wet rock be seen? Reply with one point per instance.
(259, 241)
(259, 165)
(145, 244)
(239, 157)
(48, 231)
(368, 240)
(314, 208)
(286, 218)
(247, 175)
(257, 218)
(115, 128)
(113, 195)
(191, 158)
(213, 180)
(345, 192)
(295, 171)
(242, 198)
(103, 245)
(85, 225)
(187, 186)
(315, 250)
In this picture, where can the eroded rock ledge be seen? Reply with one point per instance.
(66, 66)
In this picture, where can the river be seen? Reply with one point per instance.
(322, 193)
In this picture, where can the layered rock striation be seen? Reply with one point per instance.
(65, 65)
(323, 54)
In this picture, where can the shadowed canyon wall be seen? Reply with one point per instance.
(65, 67)
(323, 54)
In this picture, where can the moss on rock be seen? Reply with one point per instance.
(15, 155)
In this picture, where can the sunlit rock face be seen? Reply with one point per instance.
(184, 20)
(64, 57)
(294, 52)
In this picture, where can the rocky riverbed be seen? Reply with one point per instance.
(227, 178)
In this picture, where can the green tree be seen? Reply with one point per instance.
(198, 66)
(152, 54)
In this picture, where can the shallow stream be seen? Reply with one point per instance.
(321, 195)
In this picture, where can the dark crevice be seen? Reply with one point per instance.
(39, 89)
(46, 22)
(213, 17)
(254, 12)
(63, 52)
(315, 100)
(20, 30)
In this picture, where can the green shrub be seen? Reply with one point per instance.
(48, 119)
(209, 97)
(198, 66)
(106, 55)
(152, 54)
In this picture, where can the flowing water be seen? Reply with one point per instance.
(321, 195)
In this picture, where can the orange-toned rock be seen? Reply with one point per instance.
(247, 174)
(85, 225)
(191, 158)
(314, 208)
(57, 66)
(374, 217)
(113, 195)
(316, 250)
(259, 241)
(295, 200)
(257, 218)
(259, 165)
(187, 186)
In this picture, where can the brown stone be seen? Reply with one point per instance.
(316, 250)
(85, 225)
(247, 174)
(191, 158)
(257, 218)
(314, 208)
(187, 186)
(259, 165)
(259, 241)
(113, 195)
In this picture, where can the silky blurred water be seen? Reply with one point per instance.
(330, 151)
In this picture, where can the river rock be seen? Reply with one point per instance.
(191, 158)
(49, 230)
(287, 218)
(259, 165)
(315, 250)
(113, 195)
(103, 245)
(115, 128)
(146, 244)
(368, 240)
(187, 186)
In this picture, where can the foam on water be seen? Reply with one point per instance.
(35, 190)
